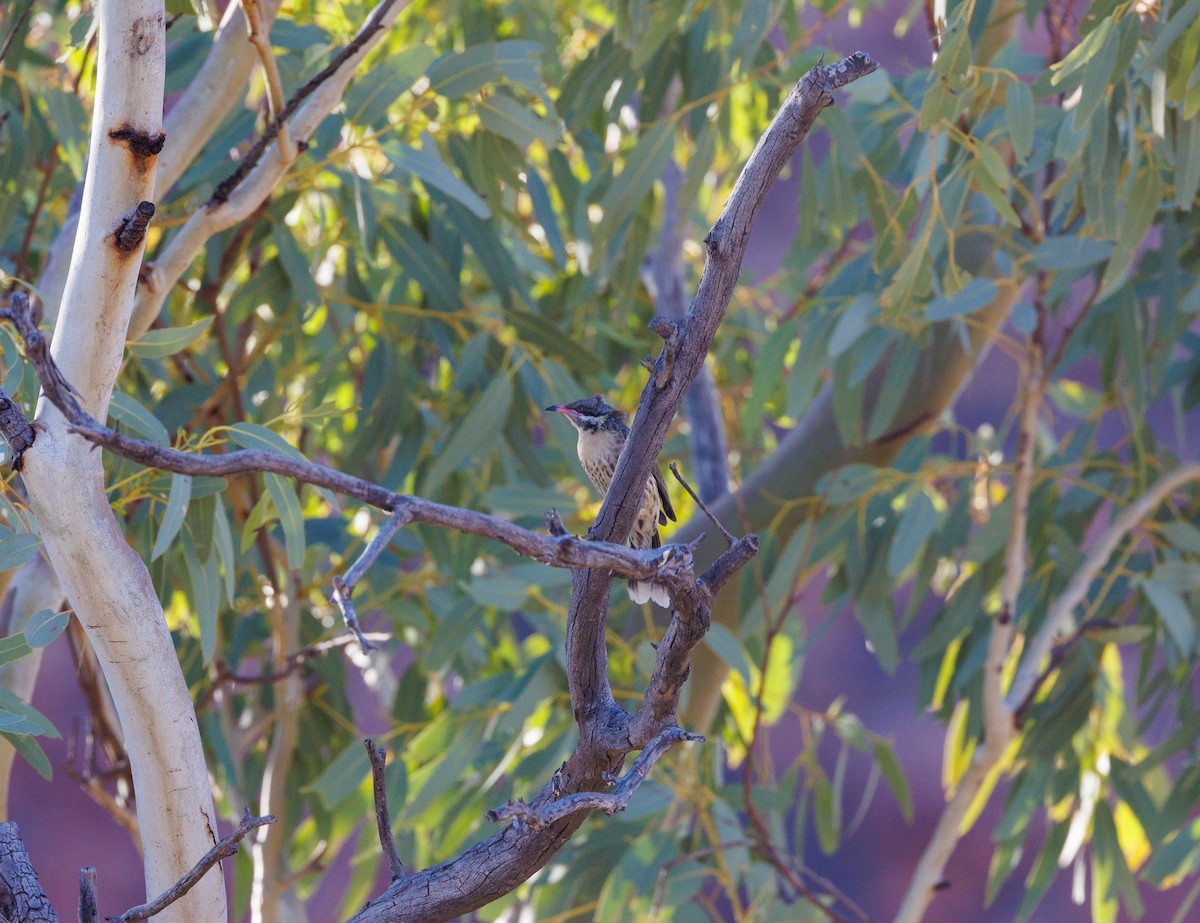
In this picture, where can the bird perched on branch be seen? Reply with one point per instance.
(602, 434)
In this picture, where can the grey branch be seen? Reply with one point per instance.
(343, 587)
(383, 818)
(21, 895)
(15, 429)
(88, 904)
(608, 802)
(223, 849)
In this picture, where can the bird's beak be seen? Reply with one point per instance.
(557, 408)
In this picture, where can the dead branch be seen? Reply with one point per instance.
(383, 818)
(21, 895)
(223, 849)
(608, 802)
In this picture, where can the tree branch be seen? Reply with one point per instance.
(608, 802)
(260, 170)
(383, 818)
(223, 849)
(343, 587)
(1061, 615)
(998, 725)
(21, 895)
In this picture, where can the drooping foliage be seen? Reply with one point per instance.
(465, 241)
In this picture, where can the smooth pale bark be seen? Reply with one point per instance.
(106, 583)
(189, 126)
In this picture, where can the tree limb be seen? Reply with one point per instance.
(383, 818)
(21, 895)
(1061, 614)
(260, 170)
(223, 849)
(608, 802)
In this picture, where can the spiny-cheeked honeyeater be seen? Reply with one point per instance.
(602, 434)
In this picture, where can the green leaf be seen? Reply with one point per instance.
(917, 523)
(893, 775)
(206, 596)
(156, 344)
(726, 646)
(223, 546)
(1174, 612)
(543, 211)
(342, 776)
(31, 751)
(38, 723)
(129, 413)
(643, 165)
(172, 521)
(1019, 118)
(475, 436)
(420, 261)
(827, 815)
(1072, 252)
(509, 119)
(287, 505)
(1141, 206)
(768, 369)
(371, 95)
(463, 73)
(976, 294)
(46, 625)
(256, 436)
(426, 165)
(874, 613)
(13, 647)
(18, 549)
(854, 321)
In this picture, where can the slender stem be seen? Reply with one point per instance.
(383, 817)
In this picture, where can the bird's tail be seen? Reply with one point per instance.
(642, 591)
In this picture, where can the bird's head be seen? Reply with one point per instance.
(590, 415)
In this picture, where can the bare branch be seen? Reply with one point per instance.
(15, 429)
(664, 277)
(700, 503)
(292, 663)
(88, 904)
(383, 818)
(21, 895)
(223, 849)
(608, 802)
(343, 587)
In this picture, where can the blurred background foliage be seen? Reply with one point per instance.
(464, 242)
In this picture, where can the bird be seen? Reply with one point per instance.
(602, 434)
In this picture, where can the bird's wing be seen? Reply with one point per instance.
(665, 510)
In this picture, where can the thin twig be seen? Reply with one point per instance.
(223, 849)
(260, 38)
(12, 33)
(292, 663)
(608, 802)
(383, 818)
(707, 512)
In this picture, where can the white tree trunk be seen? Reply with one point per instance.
(106, 583)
